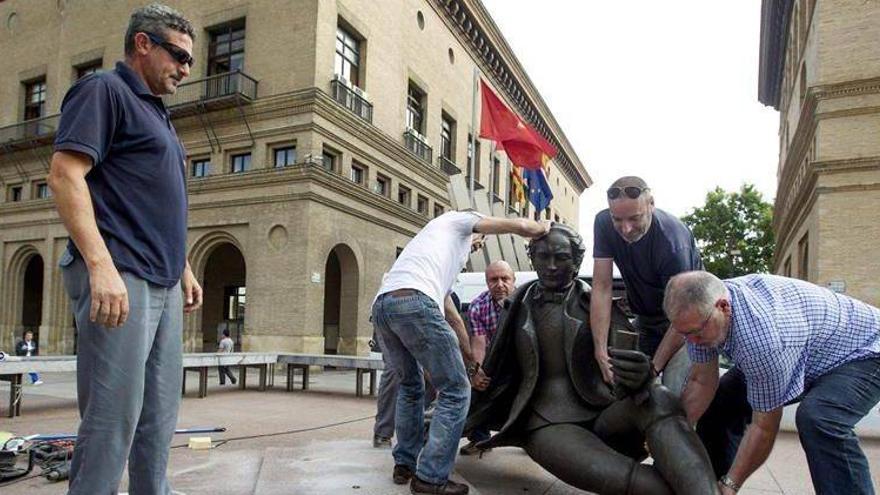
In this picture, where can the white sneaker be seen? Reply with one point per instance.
(38, 382)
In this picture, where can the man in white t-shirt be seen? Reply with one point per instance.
(418, 327)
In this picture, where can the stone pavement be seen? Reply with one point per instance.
(319, 442)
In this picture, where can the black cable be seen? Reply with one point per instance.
(287, 432)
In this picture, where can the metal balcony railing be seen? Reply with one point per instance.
(41, 129)
(415, 144)
(219, 87)
(350, 99)
(447, 166)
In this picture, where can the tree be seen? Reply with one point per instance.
(734, 232)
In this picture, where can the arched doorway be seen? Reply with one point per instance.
(341, 282)
(32, 297)
(225, 296)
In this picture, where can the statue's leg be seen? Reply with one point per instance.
(677, 451)
(576, 456)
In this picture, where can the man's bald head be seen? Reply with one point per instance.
(500, 279)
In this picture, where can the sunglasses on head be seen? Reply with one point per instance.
(631, 192)
(176, 52)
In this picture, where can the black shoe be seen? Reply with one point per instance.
(380, 442)
(234, 381)
(418, 486)
(402, 474)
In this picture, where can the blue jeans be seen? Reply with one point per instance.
(828, 411)
(35, 377)
(414, 335)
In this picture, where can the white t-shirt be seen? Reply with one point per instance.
(435, 256)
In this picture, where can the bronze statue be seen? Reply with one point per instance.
(546, 392)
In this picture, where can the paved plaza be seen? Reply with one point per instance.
(319, 442)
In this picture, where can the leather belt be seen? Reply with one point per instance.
(403, 293)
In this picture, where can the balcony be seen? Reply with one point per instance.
(352, 98)
(30, 132)
(417, 145)
(477, 185)
(447, 166)
(217, 91)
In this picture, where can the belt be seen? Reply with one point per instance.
(403, 293)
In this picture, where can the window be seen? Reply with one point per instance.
(415, 108)
(447, 137)
(348, 56)
(285, 157)
(358, 173)
(226, 48)
(241, 163)
(476, 168)
(14, 193)
(201, 167)
(786, 270)
(41, 190)
(89, 68)
(383, 185)
(438, 210)
(496, 176)
(804, 257)
(234, 302)
(35, 99)
(329, 159)
(404, 196)
(422, 205)
(803, 82)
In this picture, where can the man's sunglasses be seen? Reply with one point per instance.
(176, 52)
(631, 192)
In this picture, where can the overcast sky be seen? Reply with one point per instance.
(663, 90)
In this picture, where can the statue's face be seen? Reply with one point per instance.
(553, 261)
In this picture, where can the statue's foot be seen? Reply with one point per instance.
(418, 486)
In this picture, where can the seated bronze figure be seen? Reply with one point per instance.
(546, 392)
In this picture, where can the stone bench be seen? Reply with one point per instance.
(361, 364)
(13, 368)
(200, 362)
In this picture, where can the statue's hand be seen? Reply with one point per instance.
(480, 381)
(632, 369)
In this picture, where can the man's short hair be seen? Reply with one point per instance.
(156, 19)
(697, 290)
(226, 332)
(578, 248)
(25, 332)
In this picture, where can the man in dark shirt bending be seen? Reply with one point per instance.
(649, 247)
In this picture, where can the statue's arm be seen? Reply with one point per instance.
(756, 445)
(600, 313)
(701, 386)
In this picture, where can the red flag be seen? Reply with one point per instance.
(523, 145)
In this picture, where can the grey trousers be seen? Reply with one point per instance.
(128, 387)
(386, 403)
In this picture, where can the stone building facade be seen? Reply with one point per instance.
(820, 67)
(321, 135)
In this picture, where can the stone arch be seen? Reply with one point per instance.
(22, 289)
(202, 327)
(342, 300)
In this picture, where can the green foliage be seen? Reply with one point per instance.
(734, 232)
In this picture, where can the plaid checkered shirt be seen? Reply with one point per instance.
(786, 333)
(483, 314)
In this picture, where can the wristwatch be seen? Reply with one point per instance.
(727, 481)
(472, 369)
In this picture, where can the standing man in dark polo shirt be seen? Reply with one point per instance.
(649, 247)
(118, 178)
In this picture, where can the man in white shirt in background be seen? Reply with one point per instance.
(418, 327)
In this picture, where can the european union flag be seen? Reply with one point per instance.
(539, 190)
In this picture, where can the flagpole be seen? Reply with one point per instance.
(472, 165)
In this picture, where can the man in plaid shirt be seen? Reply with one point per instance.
(790, 341)
(483, 314)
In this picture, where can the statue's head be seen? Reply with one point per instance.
(557, 256)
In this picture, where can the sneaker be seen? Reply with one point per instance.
(472, 449)
(402, 474)
(38, 382)
(380, 442)
(449, 488)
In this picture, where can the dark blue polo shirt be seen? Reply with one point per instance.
(667, 249)
(138, 182)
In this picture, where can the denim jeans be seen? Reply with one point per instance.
(828, 411)
(722, 426)
(414, 335)
(35, 377)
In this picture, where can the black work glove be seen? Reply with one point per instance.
(632, 370)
